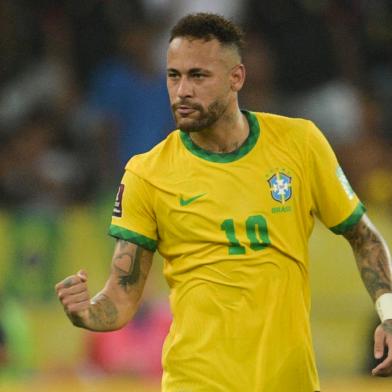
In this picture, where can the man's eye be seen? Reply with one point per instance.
(172, 75)
(197, 75)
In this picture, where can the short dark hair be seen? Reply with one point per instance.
(207, 26)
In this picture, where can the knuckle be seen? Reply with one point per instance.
(82, 297)
(61, 295)
(71, 308)
(58, 287)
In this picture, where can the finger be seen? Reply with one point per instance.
(75, 289)
(59, 285)
(82, 275)
(385, 367)
(67, 282)
(76, 298)
(70, 281)
(77, 307)
(379, 342)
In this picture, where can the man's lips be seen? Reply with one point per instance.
(184, 110)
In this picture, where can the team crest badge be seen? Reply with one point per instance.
(280, 187)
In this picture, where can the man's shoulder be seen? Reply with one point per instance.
(279, 127)
(156, 159)
(282, 121)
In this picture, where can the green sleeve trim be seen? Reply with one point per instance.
(132, 236)
(351, 221)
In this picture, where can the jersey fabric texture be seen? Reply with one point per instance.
(233, 230)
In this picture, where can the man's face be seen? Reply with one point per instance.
(199, 81)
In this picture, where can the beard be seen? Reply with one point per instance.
(206, 118)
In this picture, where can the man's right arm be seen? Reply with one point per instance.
(118, 301)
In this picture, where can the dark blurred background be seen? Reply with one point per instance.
(82, 89)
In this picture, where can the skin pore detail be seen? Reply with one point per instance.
(103, 311)
(207, 118)
(372, 258)
(387, 326)
(374, 281)
(102, 314)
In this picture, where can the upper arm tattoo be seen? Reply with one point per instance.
(127, 262)
(372, 256)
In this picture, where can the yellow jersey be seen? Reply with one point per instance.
(233, 230)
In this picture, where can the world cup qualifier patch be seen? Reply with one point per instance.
(345, 184)
(280, 187)
(117, 210)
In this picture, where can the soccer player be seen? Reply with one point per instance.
(229, 200)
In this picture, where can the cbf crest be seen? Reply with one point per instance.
(280, 187)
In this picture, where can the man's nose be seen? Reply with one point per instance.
(184, 89)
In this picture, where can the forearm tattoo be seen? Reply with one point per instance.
(387, 326)
(102, 314)
(130, 267)
(372, 258)
(127, 264)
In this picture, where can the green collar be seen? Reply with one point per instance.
(225, 157)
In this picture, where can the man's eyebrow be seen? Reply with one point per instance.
(198, 70)
(190, 71)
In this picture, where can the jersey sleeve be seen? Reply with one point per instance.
(333, 200)
(133, 217)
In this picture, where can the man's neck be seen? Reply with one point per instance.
(227, 134)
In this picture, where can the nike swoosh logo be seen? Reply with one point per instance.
(185, 202)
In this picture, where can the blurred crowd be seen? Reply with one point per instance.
(82, 87)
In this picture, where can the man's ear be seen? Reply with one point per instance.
(237, 77)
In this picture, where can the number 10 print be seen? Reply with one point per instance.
(256, 231)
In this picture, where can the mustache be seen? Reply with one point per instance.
(191, 105)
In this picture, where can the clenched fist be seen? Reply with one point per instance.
(73, 294)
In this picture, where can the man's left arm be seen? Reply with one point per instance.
(375, 266)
